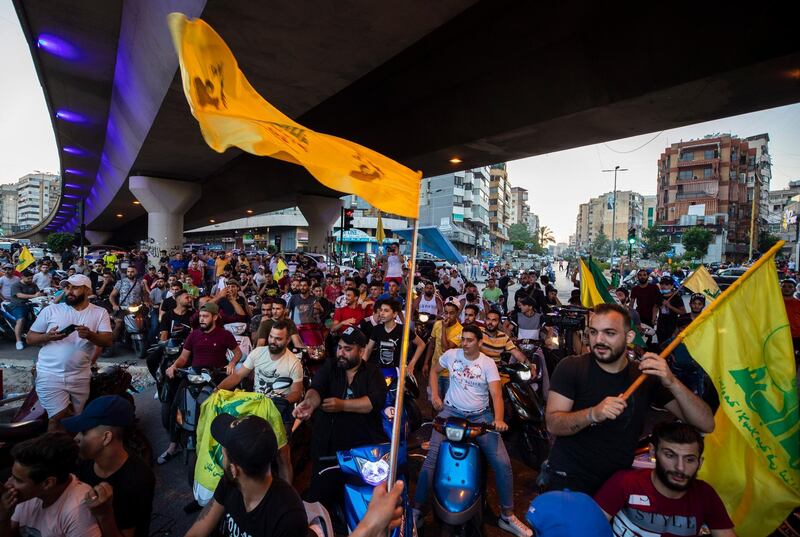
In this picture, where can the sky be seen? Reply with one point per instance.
(27, 144)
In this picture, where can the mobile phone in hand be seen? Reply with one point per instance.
(67, 330)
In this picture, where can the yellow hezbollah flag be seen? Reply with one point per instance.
(380, 234)
(752, 458)
(231, 113)
(594, 286)
(25, 259)
(701, 282)
(280, 266)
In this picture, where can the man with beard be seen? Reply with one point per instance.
(68, 333)
(248, 500)
(181, 315)
(270, 363)
(788, 288)
(668, 500)
(346, 398)
(304, 315)
(646, 298)
(123, 484)
(495, 342)
(278, 313)
(596, 429)
(428, 302)
(129, 291)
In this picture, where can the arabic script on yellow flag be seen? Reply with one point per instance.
(231, 113)
(752, 459)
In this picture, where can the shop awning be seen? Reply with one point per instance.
(432, 241)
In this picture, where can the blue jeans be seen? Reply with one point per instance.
(444, 383)
(493, 449)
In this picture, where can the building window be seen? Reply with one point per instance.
(706, 172)
(708, 154)
(685, 174)
(688, 155)
(649, 212)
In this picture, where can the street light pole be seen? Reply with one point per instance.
(614, 210)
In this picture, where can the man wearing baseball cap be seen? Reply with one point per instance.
(251, 500)
(346, 398)
(122, 484)
(68, 333)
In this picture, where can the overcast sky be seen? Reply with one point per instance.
(27, 144)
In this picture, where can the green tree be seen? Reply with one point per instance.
(546, 236)
(655, 242)
(601, 246)
(58, 242)
(696, 241)
(519, 232)
(519, 245)
(766, 240)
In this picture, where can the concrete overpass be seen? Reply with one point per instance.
(420, 81)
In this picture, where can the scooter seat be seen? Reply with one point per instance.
(15, 432)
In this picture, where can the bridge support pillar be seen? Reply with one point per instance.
(321, 214)
(166, 202)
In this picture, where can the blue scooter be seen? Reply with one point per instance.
(458, 481)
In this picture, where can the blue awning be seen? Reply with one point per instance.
(432, 240)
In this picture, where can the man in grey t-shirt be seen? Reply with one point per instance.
(6, 281)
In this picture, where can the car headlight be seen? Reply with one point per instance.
(374, 473)
(525, 375)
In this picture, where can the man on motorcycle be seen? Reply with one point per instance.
(180, 315)
(493, 294)
(348, 315)
(21, 291)
(278, 313)
(346, 398)
(68, 333)
(474, 391)
(445, 335)
(597, 430)
(495, 342)
(123, 484)
(527, 322)
(304, 314)
(384, 346)
(428, 302)
(207, 347)
(129, 291)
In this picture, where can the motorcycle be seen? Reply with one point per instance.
(423, 325)
(458, 481)
(136, 320)
(525, 411)
(7, 322)
(159, 358)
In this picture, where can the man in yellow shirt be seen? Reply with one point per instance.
(110, 260)
(220, 264)
(443, 340)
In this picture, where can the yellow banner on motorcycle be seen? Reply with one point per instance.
(208, 469)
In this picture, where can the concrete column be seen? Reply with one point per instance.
(98, 237)
(321, 214)
(166, 201)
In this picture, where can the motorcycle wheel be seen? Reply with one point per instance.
(534, 447)
(139, 348)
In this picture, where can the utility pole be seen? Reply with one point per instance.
(614, 209)
(756, 191)
(82, 209)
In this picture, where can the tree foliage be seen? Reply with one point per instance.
(58, 242)
(766, 240)
(546, 236)
(696, 241)
(519, 232)
(601, 246)
(655, 242)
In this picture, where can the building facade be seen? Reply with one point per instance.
(598, 216)
(649, 211)
(499, 206)
(8, 208)
(721, 178)
(782, 216)
(37, 195)
(520, 211)
(458, 204)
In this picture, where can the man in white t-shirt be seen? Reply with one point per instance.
(42, 497)
(68, 333)
(43, 279)
(474, 389)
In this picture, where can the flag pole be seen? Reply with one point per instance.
(707, 312)
(401, 377)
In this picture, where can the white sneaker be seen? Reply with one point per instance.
(20, 345)
(513, 525)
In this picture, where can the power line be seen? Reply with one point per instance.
(633, 150)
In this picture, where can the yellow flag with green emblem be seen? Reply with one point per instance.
(25, 259)
(231, 113)
(703, 283)
(280, 266)
(752, 459)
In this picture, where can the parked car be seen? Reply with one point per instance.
(726, 277)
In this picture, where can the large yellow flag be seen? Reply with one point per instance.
(24, 260)
(701, 282)
(231, 113)
(280, 266)
(753, 456)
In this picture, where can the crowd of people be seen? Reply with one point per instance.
(357, 317)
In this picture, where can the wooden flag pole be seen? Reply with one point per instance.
(706, 312)
(401, 377)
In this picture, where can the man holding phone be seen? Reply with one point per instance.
(68, 333)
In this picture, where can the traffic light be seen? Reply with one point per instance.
(347, 222)
(632, 236)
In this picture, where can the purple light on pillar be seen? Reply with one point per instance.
(72, 196)
(74, 151)
(58, 47)
(73, 185)
(72, 117)
(72, 205)
(73, 171)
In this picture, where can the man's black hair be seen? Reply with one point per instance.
(624, 291)
(474, 330)
(392, 303)
(473, 307)
(605, 309)
(677, 432)
(283, 324)
(48, 455)
(494, 311)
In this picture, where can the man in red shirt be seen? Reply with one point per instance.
(350, 314)
(668, 501)
(646, 298)
(788, 288)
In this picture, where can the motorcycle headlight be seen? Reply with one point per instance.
(373, 473)
(423, 317)
(454, 433)
(195, 379)
(525, 375)
(133, 309)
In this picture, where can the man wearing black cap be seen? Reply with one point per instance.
(123, 485)
(669, 310)
(346, 398)
(250, 499)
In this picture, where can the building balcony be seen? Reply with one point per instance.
(693, 195)
(696, 162)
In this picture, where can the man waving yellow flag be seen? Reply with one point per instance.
(231, 113)
(25, 259)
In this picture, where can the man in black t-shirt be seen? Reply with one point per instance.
(123, 485)
(345, 399)
(180, 315)
(248, 500)
(596, 429)
(671, 307)
(384, 345)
